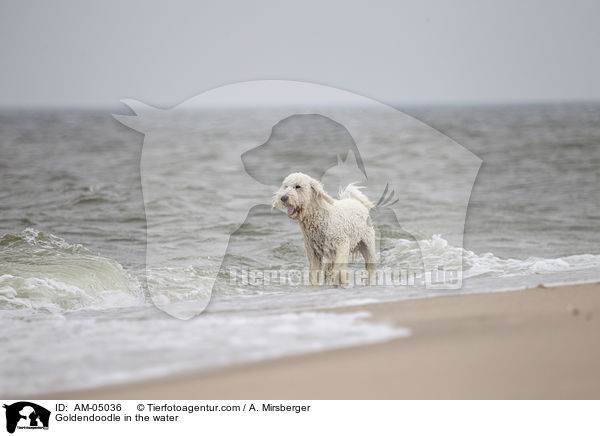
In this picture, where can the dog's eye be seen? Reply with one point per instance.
(298, 186)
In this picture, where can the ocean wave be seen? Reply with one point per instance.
(437, 251)
(41, 271)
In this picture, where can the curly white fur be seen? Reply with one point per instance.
(332, 229)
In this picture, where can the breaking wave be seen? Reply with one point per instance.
(408, 254)
(43, 272)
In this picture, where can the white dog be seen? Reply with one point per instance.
(332, 229)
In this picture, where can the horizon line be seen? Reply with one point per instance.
(413, 103)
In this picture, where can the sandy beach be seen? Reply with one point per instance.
(532, 344)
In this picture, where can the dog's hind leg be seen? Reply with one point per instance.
(367, 249)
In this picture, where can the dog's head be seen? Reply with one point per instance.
(299, 194)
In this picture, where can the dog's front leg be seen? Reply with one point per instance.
(340, 265)
(314, 264)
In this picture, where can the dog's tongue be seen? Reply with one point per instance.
(290, 210)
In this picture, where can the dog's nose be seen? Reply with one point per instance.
(284, 198)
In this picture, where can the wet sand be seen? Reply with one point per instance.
(535, 343)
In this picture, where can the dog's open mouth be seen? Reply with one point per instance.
(292, 211)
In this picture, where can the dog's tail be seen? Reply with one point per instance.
(352, 191)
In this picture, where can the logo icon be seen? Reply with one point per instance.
(26, 415)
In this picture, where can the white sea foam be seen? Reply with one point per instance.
(86, 350)
(43, 272)
(90, 324)
(438, 251)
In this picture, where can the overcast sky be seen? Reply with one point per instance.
(79, 53)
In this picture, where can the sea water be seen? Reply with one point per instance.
(75, 310)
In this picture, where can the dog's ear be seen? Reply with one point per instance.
(319, 192)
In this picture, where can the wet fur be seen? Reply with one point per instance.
(332, 228)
